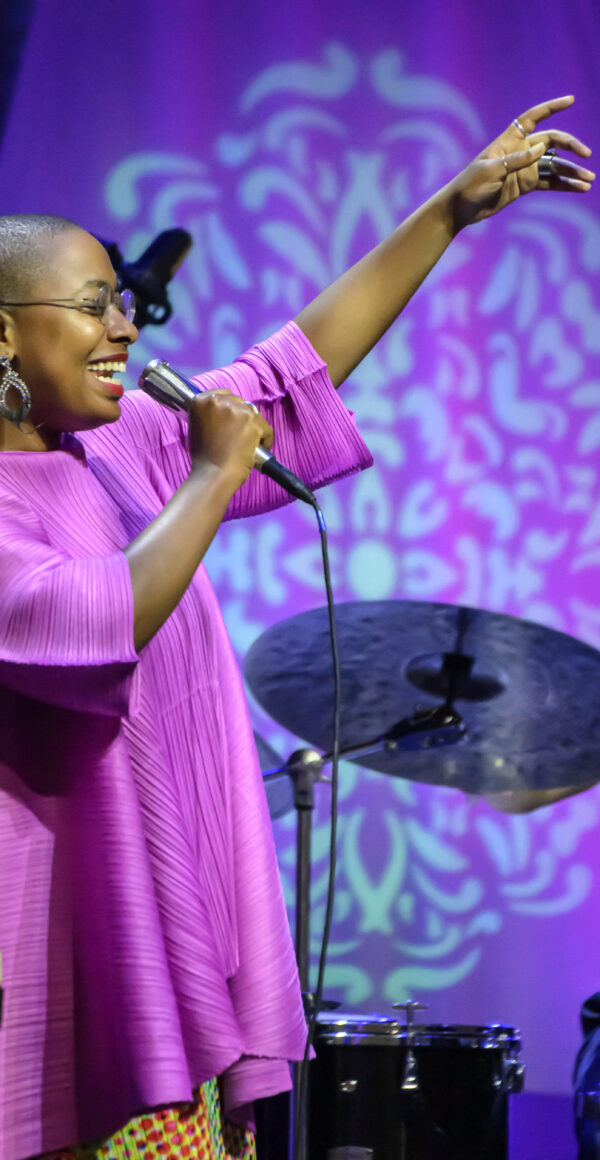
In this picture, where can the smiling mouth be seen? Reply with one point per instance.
(108, 370)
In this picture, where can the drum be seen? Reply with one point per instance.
(381, 1092)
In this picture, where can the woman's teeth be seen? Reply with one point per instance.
(106, 370)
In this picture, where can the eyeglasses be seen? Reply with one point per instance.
(101, 305)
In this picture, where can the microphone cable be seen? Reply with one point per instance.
(300, 1095)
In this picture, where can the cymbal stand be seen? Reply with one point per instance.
(439, 726)
(427, 728)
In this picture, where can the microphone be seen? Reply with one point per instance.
(168, 387)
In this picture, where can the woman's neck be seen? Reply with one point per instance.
(26, 437)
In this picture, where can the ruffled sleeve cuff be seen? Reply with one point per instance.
(315, 434)
(66, 631)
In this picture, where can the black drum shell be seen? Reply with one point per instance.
(459, 1110)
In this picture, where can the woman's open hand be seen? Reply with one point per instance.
(346, 320)
(508, 168)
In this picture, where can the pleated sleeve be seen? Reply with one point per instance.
(315, 434)
(66, 625)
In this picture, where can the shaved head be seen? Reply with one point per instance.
(23, 241)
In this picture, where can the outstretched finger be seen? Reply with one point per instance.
(513, 162)
(566, 184)
(566, 175)
(531, 117)
(566, 168)
(559, 139)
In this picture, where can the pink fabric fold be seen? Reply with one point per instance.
(145, 941)
(62, 613)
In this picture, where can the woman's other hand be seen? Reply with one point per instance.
(508, 168)
(350, 316)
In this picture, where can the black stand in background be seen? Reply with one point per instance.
(274, 1115)
(587, 1082)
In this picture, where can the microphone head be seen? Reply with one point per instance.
(167, 386)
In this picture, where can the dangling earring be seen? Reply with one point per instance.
(13, 380)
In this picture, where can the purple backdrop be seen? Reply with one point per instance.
(289, 139)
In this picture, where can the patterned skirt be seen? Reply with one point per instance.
(188, 1132)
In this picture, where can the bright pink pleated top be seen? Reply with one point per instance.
(144, 938)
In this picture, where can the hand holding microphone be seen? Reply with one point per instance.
(224, 431)
(167, 386)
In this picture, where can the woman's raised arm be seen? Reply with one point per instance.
(346, 320)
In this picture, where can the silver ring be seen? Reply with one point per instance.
(252, 405)
(546, 165)
(519, 126)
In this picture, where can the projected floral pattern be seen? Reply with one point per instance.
(482, 409)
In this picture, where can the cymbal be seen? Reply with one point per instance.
(279, 789)
(528, 696)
